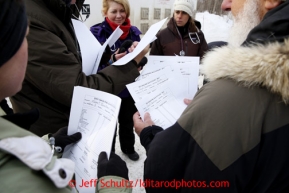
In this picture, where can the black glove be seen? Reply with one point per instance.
(62, 139)
(143, 62)
(125, 45)
(5, 107)
(23, 120)
(115, 166)
(105, 56)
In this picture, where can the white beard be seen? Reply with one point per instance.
(244, 22)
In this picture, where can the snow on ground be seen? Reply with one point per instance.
(215, 28)
(135, 168)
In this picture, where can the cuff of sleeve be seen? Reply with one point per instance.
(148, 134)
(135, 63)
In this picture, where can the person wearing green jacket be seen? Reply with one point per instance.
(27, 163)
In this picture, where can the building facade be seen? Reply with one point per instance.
(144, 13)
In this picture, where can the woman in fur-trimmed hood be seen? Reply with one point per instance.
(234, 134)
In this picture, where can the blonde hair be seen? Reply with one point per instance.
(124, 3)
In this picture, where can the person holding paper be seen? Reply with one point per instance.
(183, 35)
(116, 14)
(27, 161)
(233, 136)
(55, 67)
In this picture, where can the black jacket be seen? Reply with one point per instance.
(233, 137)
(55, 67)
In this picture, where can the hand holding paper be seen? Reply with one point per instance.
(140, 124)
(145, 41)
(162, 87)
(93, 113)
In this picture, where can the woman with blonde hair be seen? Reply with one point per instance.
(116, 13)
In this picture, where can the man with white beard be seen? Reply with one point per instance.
(233, 136)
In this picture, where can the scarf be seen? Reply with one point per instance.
(125, 27)
(13, 26)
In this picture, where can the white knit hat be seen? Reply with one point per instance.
(184, 5)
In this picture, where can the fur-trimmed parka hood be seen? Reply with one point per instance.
(263, 62)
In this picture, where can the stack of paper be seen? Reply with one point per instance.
(163, 85)
(93, 113)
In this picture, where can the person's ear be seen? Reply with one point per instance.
(271, 4)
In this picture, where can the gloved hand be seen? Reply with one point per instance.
(143, 62)
(23, 120)
(125, 45)
(115, 166)
(106, 55)
(62, 139)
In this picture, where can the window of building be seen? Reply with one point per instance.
(144, 13)
(144, 27)
(168, 13)
(157, 13)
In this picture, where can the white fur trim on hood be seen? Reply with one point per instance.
(265, 65)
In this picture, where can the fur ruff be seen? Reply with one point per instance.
(263, 65)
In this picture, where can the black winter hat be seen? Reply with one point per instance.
(13, 26)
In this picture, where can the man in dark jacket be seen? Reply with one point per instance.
(55, 67)
(26, 159)
(233, 136)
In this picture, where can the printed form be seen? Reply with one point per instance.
(187, 66)
(163, 107)
(159, 79)
(163, 85)
(93, 113)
